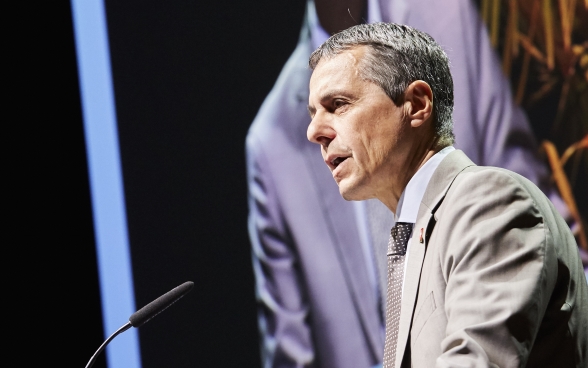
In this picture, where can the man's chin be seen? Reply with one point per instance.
(350, 192)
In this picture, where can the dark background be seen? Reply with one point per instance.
(189, 77)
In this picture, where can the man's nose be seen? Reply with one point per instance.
(320, 131)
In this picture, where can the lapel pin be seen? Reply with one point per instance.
(421, 237)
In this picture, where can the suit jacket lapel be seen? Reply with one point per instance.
(438, 186)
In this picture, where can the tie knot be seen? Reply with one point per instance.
(399, 236)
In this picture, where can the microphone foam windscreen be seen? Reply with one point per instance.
(157, 306)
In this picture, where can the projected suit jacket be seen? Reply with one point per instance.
(316, 300)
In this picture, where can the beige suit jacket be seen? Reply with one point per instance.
(496, 280)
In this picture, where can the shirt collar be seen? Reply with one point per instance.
(318, 34)
(411, 197)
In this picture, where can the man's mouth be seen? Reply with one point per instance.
(337, 161)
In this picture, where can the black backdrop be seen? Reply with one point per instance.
(189, 77)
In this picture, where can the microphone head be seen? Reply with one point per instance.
(157, 306)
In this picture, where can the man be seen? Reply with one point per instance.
(319, 261)
(492, 275)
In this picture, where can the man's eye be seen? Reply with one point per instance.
(338, 103)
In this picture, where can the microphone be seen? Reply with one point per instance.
(143, 315)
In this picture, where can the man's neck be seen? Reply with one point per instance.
(391, 198)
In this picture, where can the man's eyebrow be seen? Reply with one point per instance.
(334, 93)
(329, 96)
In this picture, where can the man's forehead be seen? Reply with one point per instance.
(347, 58)
(337, 69)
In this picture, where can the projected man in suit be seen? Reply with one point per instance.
(493, 276)
(319, 261)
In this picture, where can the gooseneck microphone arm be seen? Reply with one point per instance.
(144, 314)
(119, 331)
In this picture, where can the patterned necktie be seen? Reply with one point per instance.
(396, 253)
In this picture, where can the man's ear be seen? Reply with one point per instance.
(418, 102)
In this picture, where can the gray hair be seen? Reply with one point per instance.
(399, 55)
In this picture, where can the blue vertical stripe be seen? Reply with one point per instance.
(108, 203)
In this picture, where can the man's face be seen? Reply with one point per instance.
(359, 128)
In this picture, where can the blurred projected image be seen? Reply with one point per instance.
(543, 49)
(320, 261)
